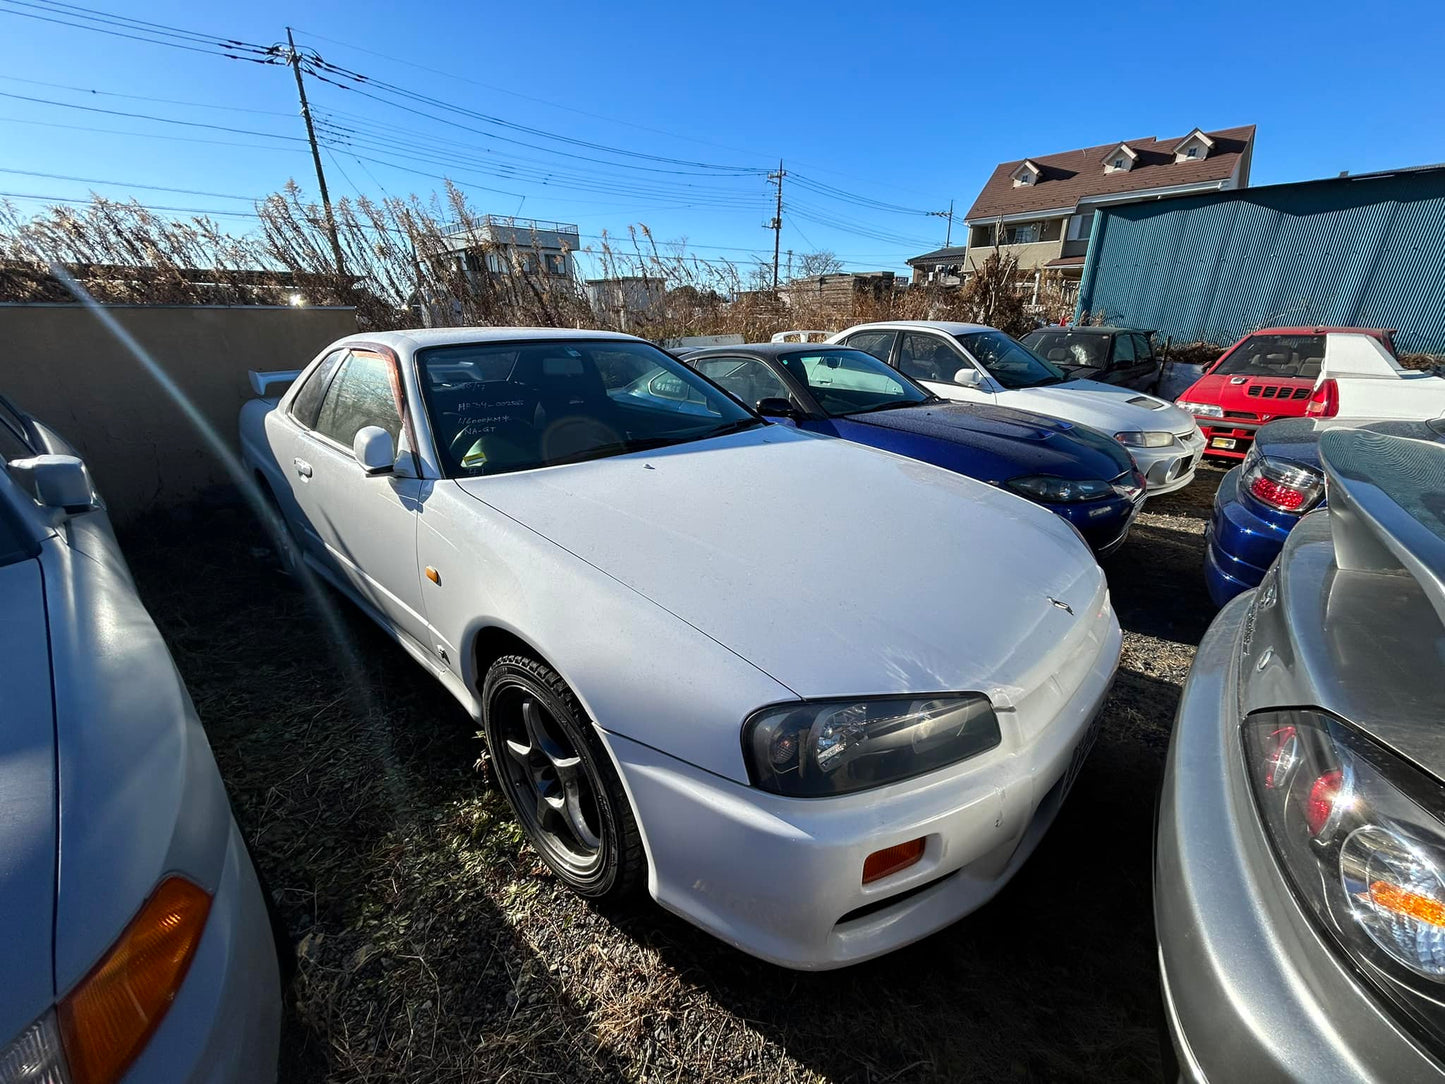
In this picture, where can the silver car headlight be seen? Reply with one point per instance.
(35, 1056)
(1359, 835)
(1135, 439)
(1200, 410)
(819, 748)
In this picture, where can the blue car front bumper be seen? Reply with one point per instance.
(1104, 524)
(1242, 540)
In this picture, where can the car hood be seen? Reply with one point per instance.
(1262, 396)
(27, 800)
(835, 569)
(1106, 407)
(1015, 442)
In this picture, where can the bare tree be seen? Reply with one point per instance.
(823, 262)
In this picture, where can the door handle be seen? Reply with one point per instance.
(303, 468)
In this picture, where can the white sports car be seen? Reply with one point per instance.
(974, 363)
(821, 700)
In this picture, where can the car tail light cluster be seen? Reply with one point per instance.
(1283, 486)
(1360, 837)
(1325, 402)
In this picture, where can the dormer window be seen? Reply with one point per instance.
(1121, 159)
(1028, 173)
(1193, 147)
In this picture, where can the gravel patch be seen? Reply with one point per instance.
(434, 946)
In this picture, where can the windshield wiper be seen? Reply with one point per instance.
(730, 427)
(892, 406)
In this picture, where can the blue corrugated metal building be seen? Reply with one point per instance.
(1364, 251)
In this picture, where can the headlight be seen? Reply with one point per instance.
(1281, 485)
(1202, 410)
(1145, 440)
(826, 747)
(1359, 836)
(1045, 487)
(34, 1057)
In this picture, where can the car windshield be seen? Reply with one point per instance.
(852, 382)
(1069, 348)
(502, 407)
(1009, 362)
(1275, 355)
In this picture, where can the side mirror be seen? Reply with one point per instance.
(776, 407)
(968, 377)
(374, 449)
(55, 481)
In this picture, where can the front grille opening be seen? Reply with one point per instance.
(890, 901)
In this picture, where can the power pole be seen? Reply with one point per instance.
(790, 265)
(777, 224)
(293, 58)
(948, 214)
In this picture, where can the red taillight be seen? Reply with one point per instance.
(1285, 498)
(1324, 796)
(1325, 402)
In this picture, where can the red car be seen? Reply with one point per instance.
(1268, 374)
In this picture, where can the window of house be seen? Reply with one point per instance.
(981, 236)
(1192, 152)
(1080, 226)
(1118, 163)
(359, 396)
(1023, 234)
(494, 262)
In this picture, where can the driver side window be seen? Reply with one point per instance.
(360, 395)
(928, 357)
(748, 379)
(1123, 351)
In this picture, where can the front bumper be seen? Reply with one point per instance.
(1239, 433)
(1104, 524)
(1241, 541)
(224, 1026)
(781, 878)
(1251, 991)
(1171, 468)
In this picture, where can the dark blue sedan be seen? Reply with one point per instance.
(1259, 502)
(1082, 475)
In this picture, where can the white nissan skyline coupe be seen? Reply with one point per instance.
(821, 700)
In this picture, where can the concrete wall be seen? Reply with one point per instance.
(1030, 256)
(60, 364)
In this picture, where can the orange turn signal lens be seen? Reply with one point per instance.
(110, 1015)
(1404, 902)
(889, 860)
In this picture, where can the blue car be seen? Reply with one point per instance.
(836, 391)
(1259, 502)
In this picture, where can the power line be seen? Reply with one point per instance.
(150, 135)
(150, 116)
(232, 51)
(145, 98)
(127, 184)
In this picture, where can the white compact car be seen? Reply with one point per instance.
(136, 941)
(974, 363)
(818, 727)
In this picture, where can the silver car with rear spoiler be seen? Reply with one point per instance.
(1299, 880)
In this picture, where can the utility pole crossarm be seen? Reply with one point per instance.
(948, 214)
(293, 58)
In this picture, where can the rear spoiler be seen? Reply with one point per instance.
(262, 382)
(1348, 354)
(1380, 518)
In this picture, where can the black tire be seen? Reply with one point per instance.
(559, 780)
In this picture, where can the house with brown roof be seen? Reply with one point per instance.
(1040, 210)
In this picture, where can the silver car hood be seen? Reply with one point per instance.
(27, 800)
(834, 568)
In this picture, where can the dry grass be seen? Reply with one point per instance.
(433, 946)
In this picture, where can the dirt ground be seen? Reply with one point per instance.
(433, 946)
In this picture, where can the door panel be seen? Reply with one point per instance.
(365, 525)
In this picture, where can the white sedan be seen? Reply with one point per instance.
(817, 724)
(974, 363)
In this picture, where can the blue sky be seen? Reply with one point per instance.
(907, 106)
